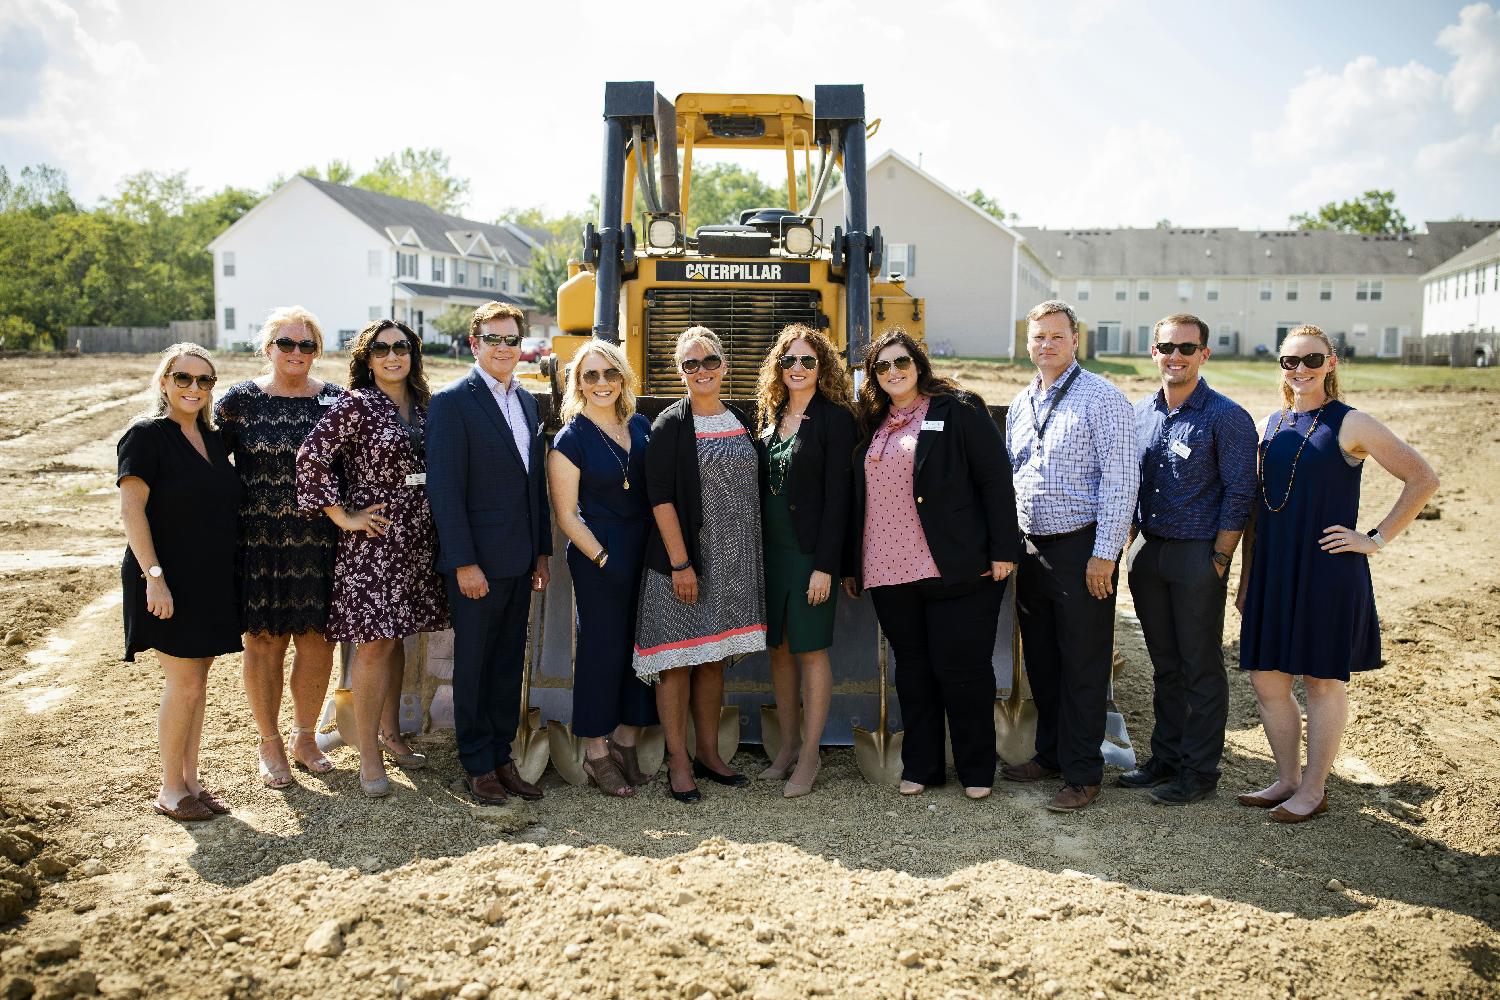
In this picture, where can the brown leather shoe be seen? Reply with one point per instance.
(1028, 771)
(1073, 798)
(1260, 801)
(486, 789)
(629, 766)
(1282, 814)
(511, 780)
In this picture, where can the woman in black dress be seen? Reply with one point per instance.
(284, 563)
(178, 498)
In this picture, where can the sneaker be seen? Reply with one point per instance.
(1188, 787)
(1148, 775)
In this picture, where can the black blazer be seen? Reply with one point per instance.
(962, 483)
(672, 477)
(818, 485)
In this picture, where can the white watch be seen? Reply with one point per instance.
(1379, 538)
(154, 572)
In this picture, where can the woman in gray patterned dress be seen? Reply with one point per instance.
(702, 598)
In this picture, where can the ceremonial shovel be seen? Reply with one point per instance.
(529, 749)
(878, 753)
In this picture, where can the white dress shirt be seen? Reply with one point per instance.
(508, 398)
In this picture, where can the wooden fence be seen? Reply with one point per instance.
(140, 339)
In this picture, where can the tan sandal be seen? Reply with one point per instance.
(319, 764)
(604, 774)
(276, 780)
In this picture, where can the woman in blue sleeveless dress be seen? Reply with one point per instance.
(1305, 590)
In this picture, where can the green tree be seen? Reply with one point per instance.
(40, 190)
(990, 205)
(721, 191)
(453, 322)
(1373, 212)
(1163, 223)
(546, 274)
(420, 175)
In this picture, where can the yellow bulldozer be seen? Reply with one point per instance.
(641, 282)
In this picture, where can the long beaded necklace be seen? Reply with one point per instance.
(1260, 459)
(784, 458)
(624, 475)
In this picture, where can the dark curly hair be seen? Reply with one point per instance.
(360, 375)
(832, 382)
(874, 402)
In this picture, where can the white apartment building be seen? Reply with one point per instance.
(1250, 286)
(1462, 294)
(351, 255)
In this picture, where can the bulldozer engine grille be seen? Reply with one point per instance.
(747, 320)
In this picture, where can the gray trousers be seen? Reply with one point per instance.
(1179, 598)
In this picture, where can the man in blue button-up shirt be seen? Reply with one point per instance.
(1197, 454)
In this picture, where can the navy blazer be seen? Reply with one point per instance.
(489, 510)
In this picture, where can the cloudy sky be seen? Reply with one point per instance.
(1069, 114)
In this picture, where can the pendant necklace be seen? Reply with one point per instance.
(624, 475)
(1260, 460)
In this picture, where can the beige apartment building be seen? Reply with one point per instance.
(1250, 286)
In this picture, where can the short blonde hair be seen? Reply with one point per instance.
(573, 403)
(698, 335)
(1043, 309)
(165, 366)
(284, 316)
(1330, 380)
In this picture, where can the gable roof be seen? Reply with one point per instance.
(1232, 252)
(1486, 248)
(383, 213)
(891, 154)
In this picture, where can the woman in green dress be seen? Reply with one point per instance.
(807, 435)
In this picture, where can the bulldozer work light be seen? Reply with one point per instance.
(798, 240)
(663, 232)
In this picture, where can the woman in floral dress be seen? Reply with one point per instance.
(385, 585)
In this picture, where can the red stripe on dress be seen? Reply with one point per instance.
(706, 640)
(721, 434)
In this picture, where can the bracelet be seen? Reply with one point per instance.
(687, 564)
(602, 557)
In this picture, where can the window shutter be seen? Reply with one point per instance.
(911, 260)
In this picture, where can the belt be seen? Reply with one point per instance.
(1164, 539)
(1061, 535)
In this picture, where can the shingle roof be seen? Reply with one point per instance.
(1486, 249)
(1214, 252)
(450, 292)
(378, 211)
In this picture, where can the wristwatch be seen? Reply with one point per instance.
(154, 572)
(602, 557)
(687, 564)
(1221, 559)
(1379, 538)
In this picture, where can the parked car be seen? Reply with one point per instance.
(535, 348)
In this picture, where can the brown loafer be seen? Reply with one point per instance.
(1282, 814)
(510, 779)
(189, 810)
(604, 774)
(626, 760)
(1073, 798)
(215, 804)
(1028, 771)
(1259, 801)
(486, 789)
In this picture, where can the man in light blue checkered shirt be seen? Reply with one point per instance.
(1071, 439)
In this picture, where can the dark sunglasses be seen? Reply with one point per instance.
(380, 349)
(902, 364)
(205, 382)
(496, 339)
(708, 364)
(1167, 347)
(788, 362)
(611, 375)
(1289, 362)
(286, 345)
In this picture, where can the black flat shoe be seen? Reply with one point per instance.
(733, 779)
(688, 797)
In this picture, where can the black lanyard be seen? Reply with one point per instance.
(1041, 428)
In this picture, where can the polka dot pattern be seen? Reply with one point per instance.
(895, 548)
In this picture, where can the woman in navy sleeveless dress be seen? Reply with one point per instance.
(1306, 596)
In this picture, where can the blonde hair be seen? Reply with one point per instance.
(573, 402)
(1330, 380)
(165, 367)
(285, 316)
(832, 382)
(697, 335)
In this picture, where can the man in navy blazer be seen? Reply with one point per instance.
(486, 483)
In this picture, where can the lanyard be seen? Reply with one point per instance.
(1041, 428)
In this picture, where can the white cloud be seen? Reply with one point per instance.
(1474, 41)
(1366, 105)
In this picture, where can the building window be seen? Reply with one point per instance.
(406, 265)
(1369, 291)
(1211, 290)
(1325, 290)
(228, 258)
(376, 263)
(505, 280)
(1184, 289)
(1109, 337)
(1225, 339)
(229, 317)
(1122, 291)
(1391, 342)
(1084, 289)
(439, 269)
(486, 275)
(1143, 291)
(1292, 291)
(901, 258)
(1143, 340)
(460, 272)
(1265, 290)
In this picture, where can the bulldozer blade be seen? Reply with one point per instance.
(1015, 730)
(729, 733)
(529, 749)
(346, 727)
(566, 752)
(770, 731)
(650, 750)
(878, 755)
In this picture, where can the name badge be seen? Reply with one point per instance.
(327, 400)
(1180, 450)
(932, 425)
(417, 479)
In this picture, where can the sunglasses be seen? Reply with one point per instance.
(710, 363)
(380, 349)
(286, 345)
(902, 364)
(496, 339)
(790, 361)
(205, 382)
(610, 375)
(1188, 350)
(1289, 362)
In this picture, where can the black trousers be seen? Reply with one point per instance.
(489, 654)
(1179, 597)
(1067, 638)
(943, 638)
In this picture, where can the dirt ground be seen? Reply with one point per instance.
(852, 891)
